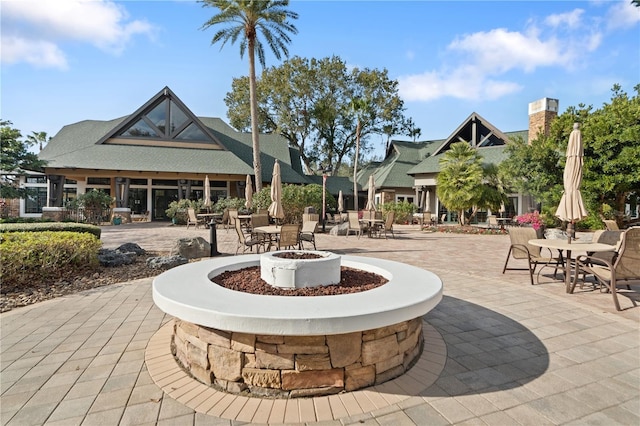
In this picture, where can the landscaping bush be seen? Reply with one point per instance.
(177, 210)
(30, 256)
(51, 226)
(294, 199)
(404, 211)
(228, 203)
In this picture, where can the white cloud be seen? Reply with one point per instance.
(38, 53)
(571, 19)
(463, 83)
(622, 15)
(484, 62)
(46, 25)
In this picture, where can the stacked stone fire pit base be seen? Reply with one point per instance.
(296, 366)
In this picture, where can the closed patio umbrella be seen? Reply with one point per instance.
(427, 202)
(207, 193)
(275, 209)
(248, 193)
(371, 204)
(571, 207)
(340, 202)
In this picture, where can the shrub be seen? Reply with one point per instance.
(294, 199)
(228, 203)
(177, 210)
(94, 200)
(403, 211)
(51, 226)
(29, 256)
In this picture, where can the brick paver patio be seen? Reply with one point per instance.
(515, 353)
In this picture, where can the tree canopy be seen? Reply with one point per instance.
(611, 140)
(308, 102)
(15, 158)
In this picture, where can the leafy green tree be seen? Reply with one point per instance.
(535, 169)
(611, 141)
(307, 101)
(244, 19)
(14, 159)
(459, 182)
(611, 137)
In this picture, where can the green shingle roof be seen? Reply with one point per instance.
(78, 146)
(401, 157)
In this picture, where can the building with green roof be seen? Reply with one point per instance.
(159, 153)
(163, 152)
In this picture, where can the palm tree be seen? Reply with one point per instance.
(459, 183)
(37, 138)
(244, 19)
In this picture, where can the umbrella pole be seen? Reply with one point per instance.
(571, 231)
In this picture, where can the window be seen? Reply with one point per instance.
(36, 179)
(98, 181)
(36, 200)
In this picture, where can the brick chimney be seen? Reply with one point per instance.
(541, 114)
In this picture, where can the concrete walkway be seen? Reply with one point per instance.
(515, 353)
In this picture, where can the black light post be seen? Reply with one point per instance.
(214, 239)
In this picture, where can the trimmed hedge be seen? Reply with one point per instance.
(51, 226)
(28, 256)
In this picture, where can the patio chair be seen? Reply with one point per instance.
(354, 223)
(247, 241)
(261, 219)
(388, 224)
(520, 249)
(232, 215)
(308, 233)
(611, 225)
(289, 237)
(624, 268)
(493, 222)
(192, 219)
(224, 219)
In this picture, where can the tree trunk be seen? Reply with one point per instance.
(253, 97)
(355, 167)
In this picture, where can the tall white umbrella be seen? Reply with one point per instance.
(248, 193)
(340, 202)
(207, 193)
(371, 202)
(427, 202)
(275, 209)
(571, 207)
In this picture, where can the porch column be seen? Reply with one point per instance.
(56, 190)
(122, 191)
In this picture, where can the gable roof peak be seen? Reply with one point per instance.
(475, 130)
(162, 119)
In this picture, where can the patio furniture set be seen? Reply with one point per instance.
(612, 258)
(264, 236)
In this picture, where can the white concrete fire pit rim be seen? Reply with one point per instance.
(186, 292)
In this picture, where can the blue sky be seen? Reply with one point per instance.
(66, 61)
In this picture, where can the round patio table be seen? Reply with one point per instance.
(564, 245)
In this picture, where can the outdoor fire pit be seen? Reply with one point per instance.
(292, 346)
